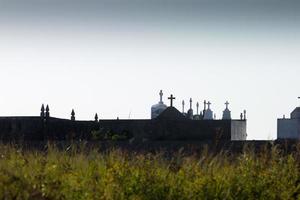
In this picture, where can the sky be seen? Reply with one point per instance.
(112, 57)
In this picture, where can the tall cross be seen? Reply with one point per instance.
(171, 98)
(208, 103)
(227, 103)
(161, 95)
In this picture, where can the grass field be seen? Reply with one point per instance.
(77, 173)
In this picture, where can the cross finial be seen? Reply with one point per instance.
(191, 103)
(161, 95)
(208, 103)
(227, 103)
(43, 111)
(47, 111)
(73, 115)
(183, 103)
(171, 98)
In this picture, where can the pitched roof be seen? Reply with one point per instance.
(296, 113)
(171, 113)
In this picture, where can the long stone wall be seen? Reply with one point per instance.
(36, 128)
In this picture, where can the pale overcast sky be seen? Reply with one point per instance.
(113, 57)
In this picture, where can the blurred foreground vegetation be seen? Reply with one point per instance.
(78, 173)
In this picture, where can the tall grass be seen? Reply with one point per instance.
(76, 173)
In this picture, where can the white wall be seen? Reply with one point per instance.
(238, 130)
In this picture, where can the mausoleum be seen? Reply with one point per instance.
(289, 128)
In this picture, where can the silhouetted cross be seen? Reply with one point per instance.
(208, 103)
(227, 103)
(171, 98)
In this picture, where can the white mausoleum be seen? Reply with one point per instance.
(157, 109)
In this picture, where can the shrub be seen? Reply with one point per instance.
(86, 174)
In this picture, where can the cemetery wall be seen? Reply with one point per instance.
(37, 128)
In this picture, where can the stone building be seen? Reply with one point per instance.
(289, 128)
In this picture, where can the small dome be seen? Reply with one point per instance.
(197, 117)
(190, 114)
(226, 114)
(157, 109)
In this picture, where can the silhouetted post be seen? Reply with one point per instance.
(73, 115)
(191, 103)
(183, 104)
(43, 112)
(204, 109)
(96, 118)
(161, 96)
(47, 112)
(245, 112)
(46, 131)
(171, 98)
(241, 116)
(197, 108)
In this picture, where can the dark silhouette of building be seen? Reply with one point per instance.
(167, 123)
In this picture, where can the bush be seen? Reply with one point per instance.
(87, 174)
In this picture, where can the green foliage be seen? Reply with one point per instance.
(78, 173)
(108, 135)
